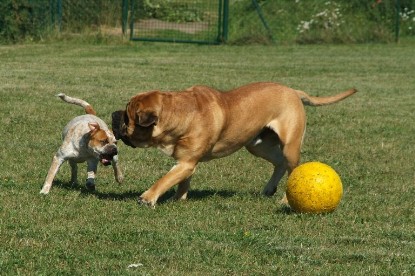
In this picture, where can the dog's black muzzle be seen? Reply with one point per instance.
(119, 122)
(107, 157)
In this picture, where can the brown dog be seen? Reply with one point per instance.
(201, 123)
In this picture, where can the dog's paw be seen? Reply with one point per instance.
(269, 192)
(284, 201)
(119, 178)
(44, 192)
(90, 186)
(178, 197)
(142, 201)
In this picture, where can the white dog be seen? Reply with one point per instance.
(85, 138)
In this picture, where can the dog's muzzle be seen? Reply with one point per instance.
(107, 157)
(119, 127)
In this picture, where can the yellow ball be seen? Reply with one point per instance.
(314, 187)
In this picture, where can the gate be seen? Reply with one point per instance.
(189, 21)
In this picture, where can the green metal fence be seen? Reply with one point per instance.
(194, 21)
(268, 21)
(211, 21)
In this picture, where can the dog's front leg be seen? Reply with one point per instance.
(53, 170)
(92, 171)
(117, 171)
(182, 189)
(178, 174)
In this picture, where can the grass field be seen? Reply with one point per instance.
(226, 227)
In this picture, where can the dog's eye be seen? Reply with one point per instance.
(103, 142)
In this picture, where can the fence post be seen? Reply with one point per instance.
(124, 16)
(397, 20)
(262, 17)
(59, 14)
(225, 20)
(132, 19)
(52, 14)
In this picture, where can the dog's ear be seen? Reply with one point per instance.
(93, 127)
(145, 108)
(146, 119)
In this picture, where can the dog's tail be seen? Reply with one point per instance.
(88, 108)
(317, 101)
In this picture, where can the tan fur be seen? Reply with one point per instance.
(87, 107)
(201, 123)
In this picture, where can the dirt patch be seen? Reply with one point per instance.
(186, 27)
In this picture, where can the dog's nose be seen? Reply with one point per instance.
(114, 150)
(111, 150)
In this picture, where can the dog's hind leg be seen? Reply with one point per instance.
(267, 146)
(74, 172)
(53, 170)
(291, 140)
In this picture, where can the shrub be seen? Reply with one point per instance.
(320, 21)
(171, 11)
(22, 19)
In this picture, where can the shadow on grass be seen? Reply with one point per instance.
(106, 196)
(130, 195)
(195, 195)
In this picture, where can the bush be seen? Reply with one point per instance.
(345, 23)
(79, 15)
(23, 19)
(167, 10)
(320, 21)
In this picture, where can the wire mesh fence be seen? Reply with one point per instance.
(178, 20)
(249, 21)
(320, 21)
(78, 15)
(35, 19)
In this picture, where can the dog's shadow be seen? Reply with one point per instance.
(134, 195)
(125, 196)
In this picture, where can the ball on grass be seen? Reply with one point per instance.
(314, 187)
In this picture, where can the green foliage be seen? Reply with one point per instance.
(320, 21)
(23, 19)
(78, 15)
(408, 21)
(170, 10)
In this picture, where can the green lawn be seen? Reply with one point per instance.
(226, 227)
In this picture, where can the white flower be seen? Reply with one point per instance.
(135, 265)
(323, 13)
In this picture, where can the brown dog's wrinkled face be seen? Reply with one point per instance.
(102, 143)
(135, 125)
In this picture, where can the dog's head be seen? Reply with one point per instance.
(102, 143)
(135, 125)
